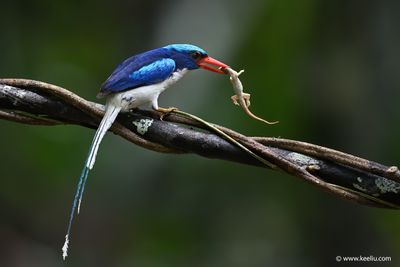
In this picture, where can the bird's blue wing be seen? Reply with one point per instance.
(138, 71)
(154, 72)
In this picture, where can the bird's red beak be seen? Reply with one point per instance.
(209, 63)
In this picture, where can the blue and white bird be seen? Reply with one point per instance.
(137, 82)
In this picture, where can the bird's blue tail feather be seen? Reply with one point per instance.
(78, 196)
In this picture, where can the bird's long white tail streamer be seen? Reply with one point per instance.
(105, 124)
(108, 119)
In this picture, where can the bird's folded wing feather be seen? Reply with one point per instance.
(136, 72)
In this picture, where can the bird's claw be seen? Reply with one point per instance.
(165, 111)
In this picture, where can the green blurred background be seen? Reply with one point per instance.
(327, 70)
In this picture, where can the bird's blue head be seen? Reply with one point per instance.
(192, 57)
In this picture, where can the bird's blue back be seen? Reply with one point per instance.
(122, 79)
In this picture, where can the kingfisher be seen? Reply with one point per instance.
(137, 82)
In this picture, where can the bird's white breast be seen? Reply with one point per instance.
(144, 95)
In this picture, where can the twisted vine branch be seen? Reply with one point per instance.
(350, 177)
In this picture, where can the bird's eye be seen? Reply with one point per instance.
(196, 55)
